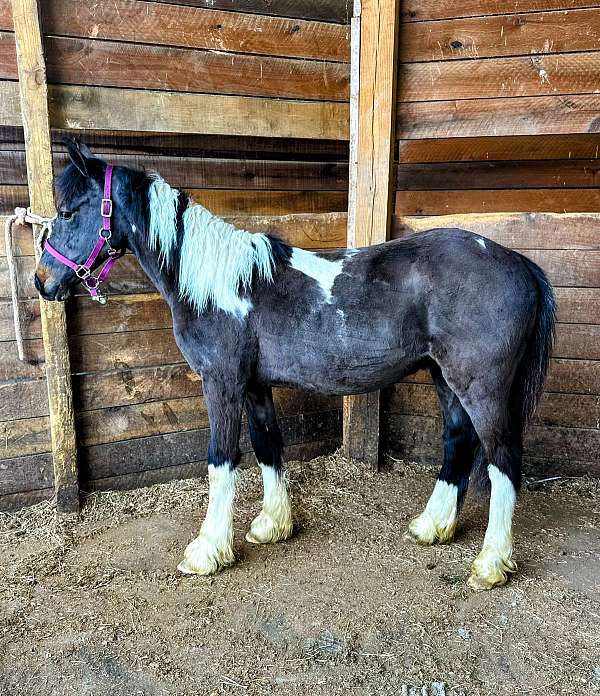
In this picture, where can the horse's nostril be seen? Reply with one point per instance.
(39, 286)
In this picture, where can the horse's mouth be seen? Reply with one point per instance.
(59, 294)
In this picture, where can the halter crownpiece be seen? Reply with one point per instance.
(84, 270)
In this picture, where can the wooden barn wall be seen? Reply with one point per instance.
(139, 410)
(498, 112)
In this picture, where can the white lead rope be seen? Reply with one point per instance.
(22, 216)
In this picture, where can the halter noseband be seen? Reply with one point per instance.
(84, 270)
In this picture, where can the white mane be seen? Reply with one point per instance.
(216, 260)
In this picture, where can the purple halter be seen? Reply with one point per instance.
(84, 270)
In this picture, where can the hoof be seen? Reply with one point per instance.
(265, 530)
(490, 570)
(424, 531)
(203, 556)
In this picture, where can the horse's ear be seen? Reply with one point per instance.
(80, 155)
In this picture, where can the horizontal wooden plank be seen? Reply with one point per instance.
(23, 399)
(31, 466)
(116, 458)
(507, 147)
(495, 117)
(564, 376)
(123, 313)
(229, 202)
(422, 10)
(581, 341)
(522, 76)
(448, 176)
(22, 474)
(194, 27)
(319, 230)
(564, 410)
(16, 501)
(338, 11)
(418, 438)
(301, 452)
(191, 145)
(522, 230)
(20, 399)
(106, 108)
(123, 350)
(492, 36)
(568, 268)
(335, 11)
(122, 423)
(126, 278)
(115, 64)
(192, 172)
(578, 305)
(500, 200)
(182, 447)
(11, 368)
(101, 390)
(306, 230)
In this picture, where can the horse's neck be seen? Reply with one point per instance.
(158, 273)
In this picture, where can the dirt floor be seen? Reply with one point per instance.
(345, 606)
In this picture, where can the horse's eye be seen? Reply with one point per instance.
(66, 215)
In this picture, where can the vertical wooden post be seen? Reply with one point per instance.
(372, 132)
(34, 110)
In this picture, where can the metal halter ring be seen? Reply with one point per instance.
(82, 272)
(91, 281)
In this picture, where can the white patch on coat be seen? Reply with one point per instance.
(481, 242)
(437, 522)
(216, 260)
(494, 562)
(320, 269)
(213, 547)
(274, 523)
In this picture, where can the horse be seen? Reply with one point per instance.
(251, 312)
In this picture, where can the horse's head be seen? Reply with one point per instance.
(75, 231)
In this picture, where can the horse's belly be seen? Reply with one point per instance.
(339, 372)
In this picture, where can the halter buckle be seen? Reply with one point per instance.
(106, 208)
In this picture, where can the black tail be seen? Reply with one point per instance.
(531, 373)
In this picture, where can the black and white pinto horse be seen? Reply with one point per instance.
(250, 312)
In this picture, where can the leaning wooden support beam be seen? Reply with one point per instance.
(372, 133)
(34, 110)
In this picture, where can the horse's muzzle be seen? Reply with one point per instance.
(56, 293)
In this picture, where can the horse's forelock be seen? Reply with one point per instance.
(71, 184)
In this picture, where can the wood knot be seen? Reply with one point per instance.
(456, 44)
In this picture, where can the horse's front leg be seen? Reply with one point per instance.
(213, 547)
(274, 522)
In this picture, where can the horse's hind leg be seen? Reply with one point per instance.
(274, 522)
(438, 520)
(501, 440)
(494, 562)
(213, 547)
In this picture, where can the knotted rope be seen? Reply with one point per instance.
(22, 216)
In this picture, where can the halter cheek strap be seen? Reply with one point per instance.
(84, 270)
